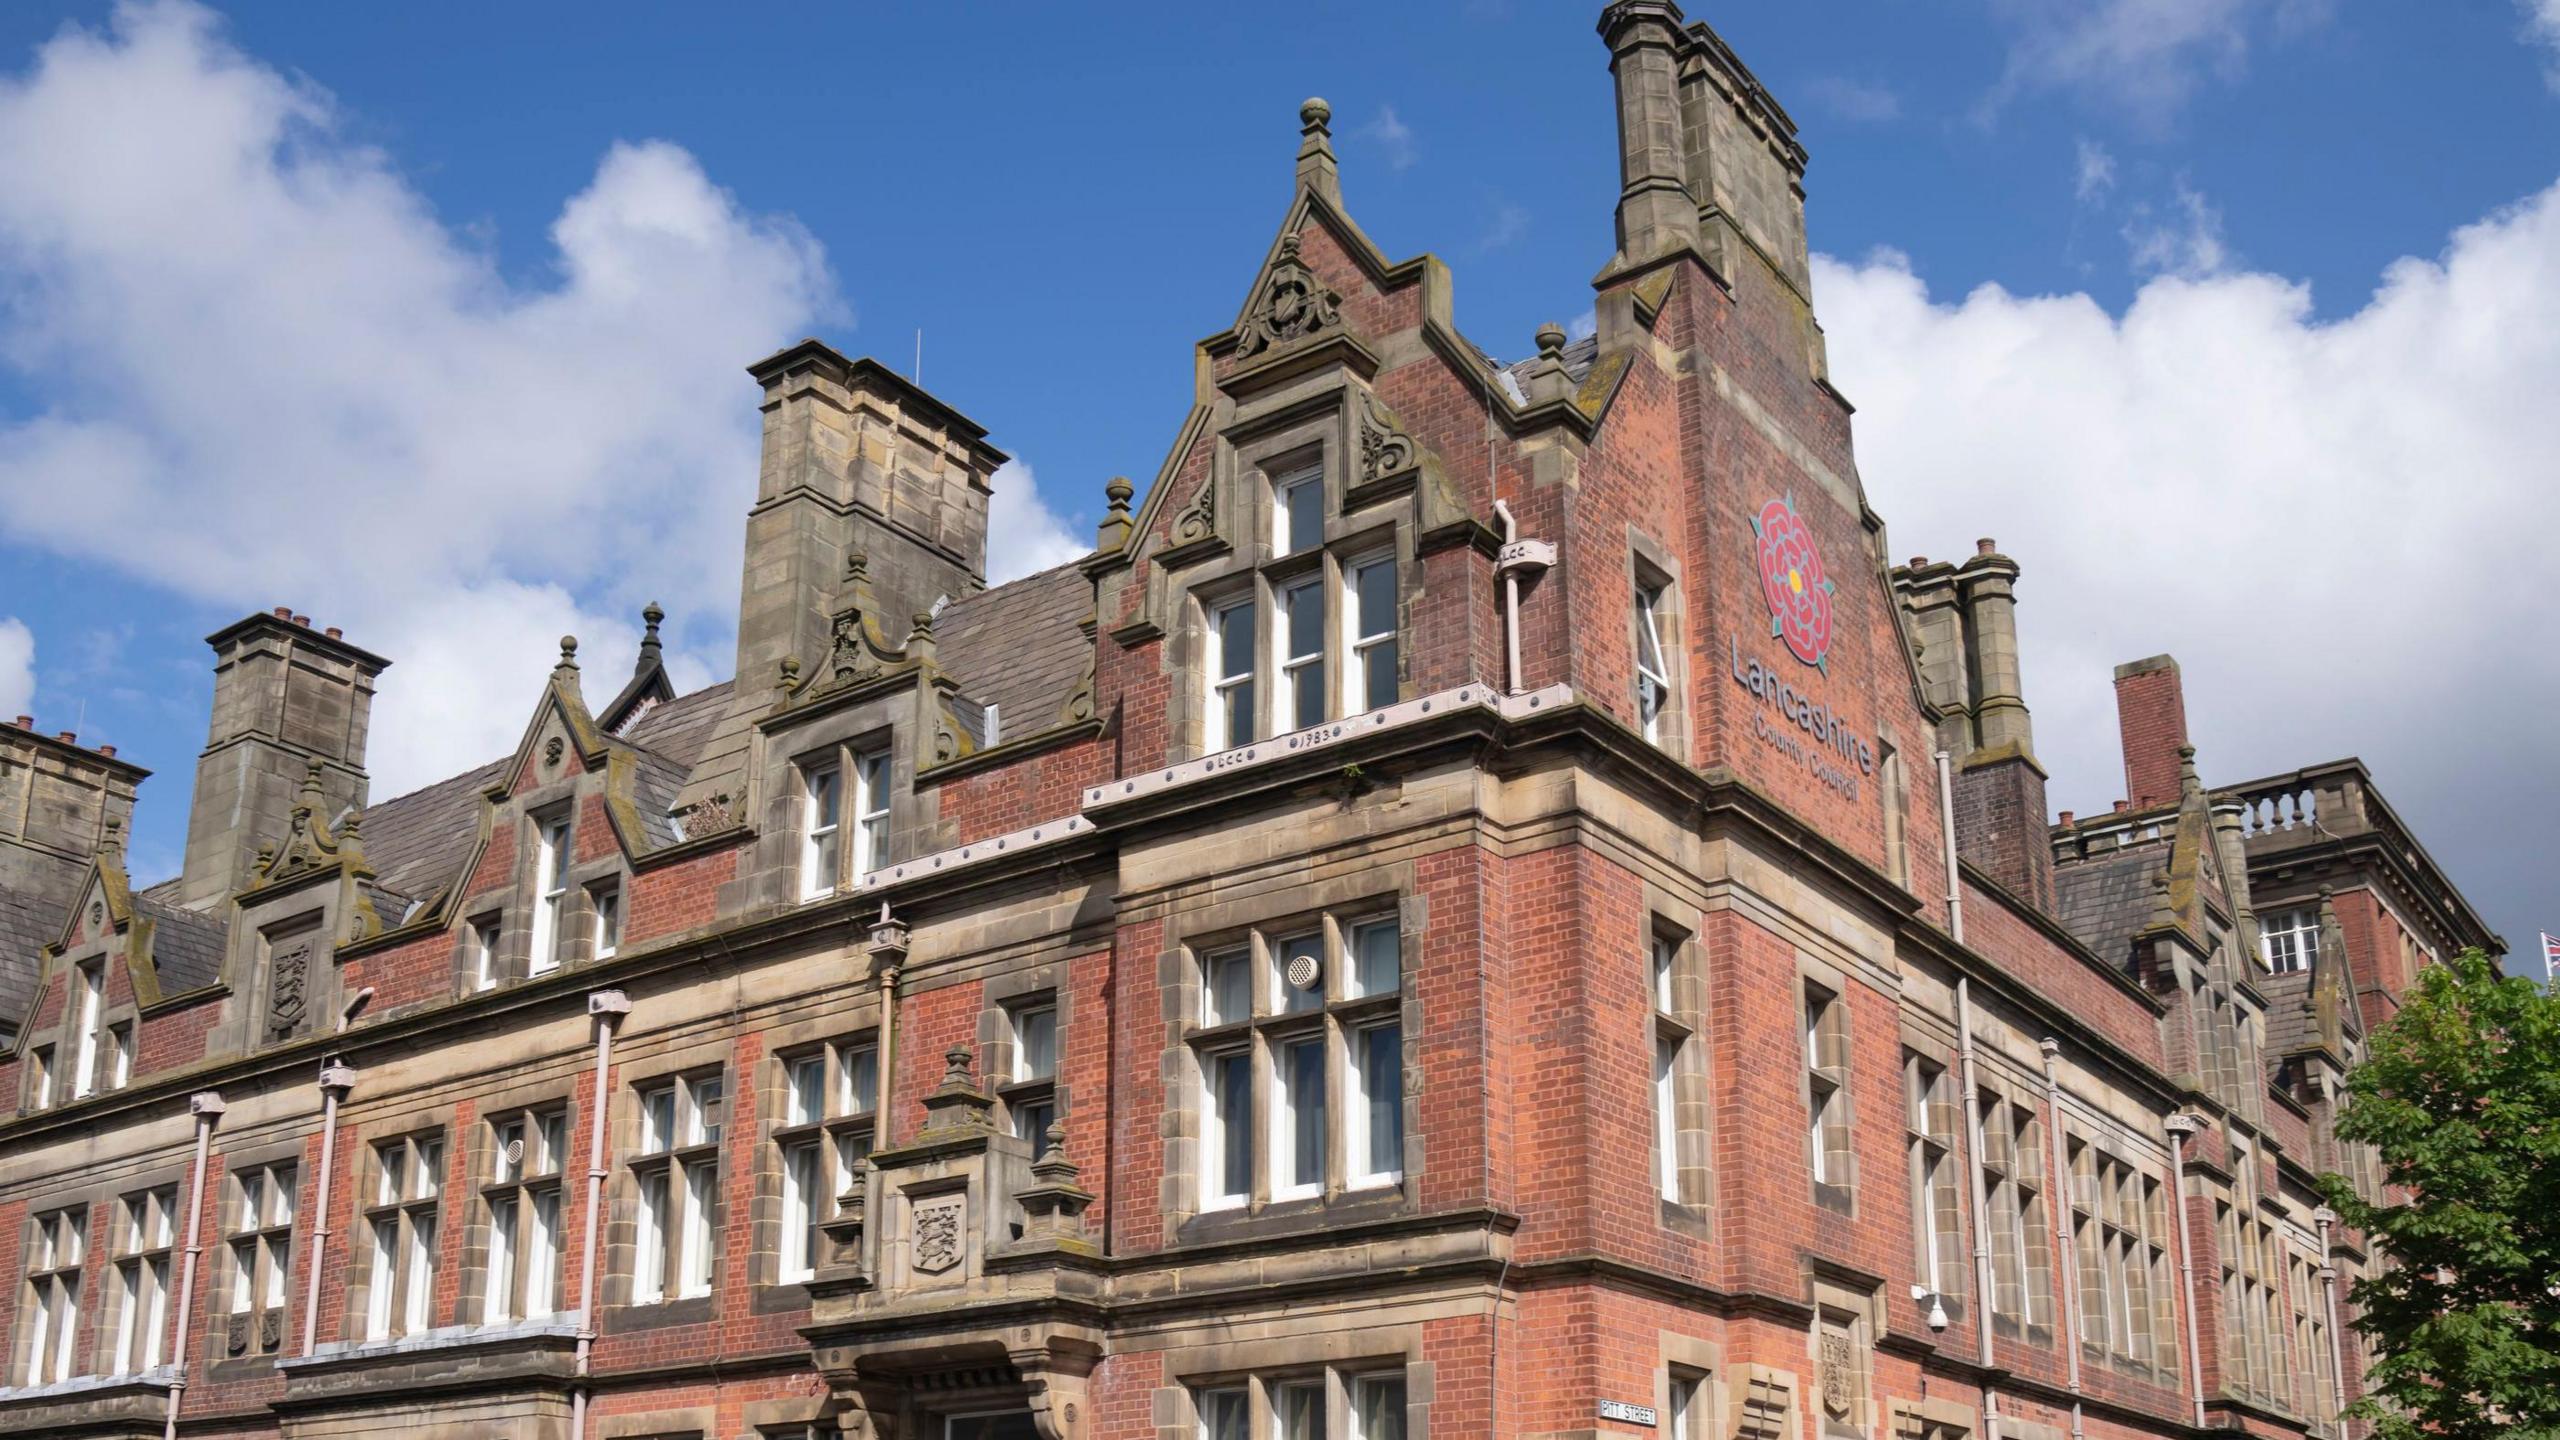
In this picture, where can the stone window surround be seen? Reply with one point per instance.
(1311, 429)
(832, 1036)
(123, 1252)
(1679, 922)
(218, 1267)
(61, 1040)
(513, 907)
(884, 725)
(1334, 1355)
(1921, 1135)
(79, 1213)
(364, 1160)
(1843, 1299)
(231, 1225)
(2021, 1184)
(2150, 1233)
(480, 1168)
(1700, 1363)
(1828, 1090)
(1373, 891)
(1004, 995)
(618, 1270)
(1650, 565)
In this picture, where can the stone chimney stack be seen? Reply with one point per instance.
(1707, 159)
(857, 460)
(2151, 716)
(284, 696)
(59, 803)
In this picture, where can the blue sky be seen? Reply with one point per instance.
(429, 321)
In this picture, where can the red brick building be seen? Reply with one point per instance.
(1485, 905)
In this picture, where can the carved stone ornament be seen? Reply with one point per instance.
(271, 1329)
(552, 749)
(938, 1224)
(1080, 703)
(1198, 520)
(1838, 1389)
(288, 983)
(1293, 305)
(1385, 450)
(849, 658)
(709, 816)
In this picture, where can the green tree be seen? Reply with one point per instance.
(2460, 1092)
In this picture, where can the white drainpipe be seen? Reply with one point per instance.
(2325, 1217)
(1972, 1114)
(606, 1006)
(2180, 1126)
(1510, 604)
(207, 1107)
(336, 1079)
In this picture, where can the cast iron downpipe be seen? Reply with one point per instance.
(607, 1006)
(2325, 1217)
(1510, 604)
(206, 1106)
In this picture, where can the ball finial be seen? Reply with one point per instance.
(1315, 114)
(1117, 490)
(1550, 340)
(568, 649)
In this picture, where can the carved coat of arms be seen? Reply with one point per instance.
(937, 1233)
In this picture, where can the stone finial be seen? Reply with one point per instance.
(1053, 1205)
(1317, 169)
(111, 839)
(787, 675)
(920, 636)
(959, 1067)
(311, 787)
(2188, 781)
(1053, 1167)
(857, 567)
(650, 646)
(1113, 533)
(1551, 341)
(1546, 375)
(569, 651)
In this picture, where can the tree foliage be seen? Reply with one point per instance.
(2460, 1093)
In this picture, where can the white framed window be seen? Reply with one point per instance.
(1297, 1404)
(1226, 1413)
(607, 903)
(119, 1056)
(1653, 669)
(822, 827)
(528, 1154)
(831, 1097)
(1682, 1417)
(1231, 665)
(1297, 509)
(1675, 1059)
(1369, 634)
(551, 890)
(258, 1225)
(870, 810)
(484, 952)
(59, 1246)
(145, 1223)
(89, 994)
(2290, 939)
(1377, 1406)
(46, 1081)
(677, 1167)
(1826, 1051)
(1031, 1092)
(1300, 1053)
(408, 1194)
(1931, 1116)
(1300, 645)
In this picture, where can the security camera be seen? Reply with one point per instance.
(1937, 1315)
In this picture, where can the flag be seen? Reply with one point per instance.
(2550, 956)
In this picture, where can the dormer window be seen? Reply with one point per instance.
(551, 889)
(822, 815)
(823, 819)
(89, 993)
(870, 810)
(2290, 939)
(1297, 510)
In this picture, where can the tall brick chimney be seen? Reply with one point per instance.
(284, 695)
(2151, 716)
(60, 802)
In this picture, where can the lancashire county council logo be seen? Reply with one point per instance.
(1791, 576)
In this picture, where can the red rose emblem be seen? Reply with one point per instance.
(1791, 577)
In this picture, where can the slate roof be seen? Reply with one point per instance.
(186, 947)
(1020, 647)
(2290, 1026)
(668, 740)
(2103, 899)
(29, 921)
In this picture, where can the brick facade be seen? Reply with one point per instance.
(1431, 1047)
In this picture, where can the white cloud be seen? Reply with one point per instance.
(1854, 101)
(269, 372)
(2095, 172)
(2341, 528)
(2143, 57)
(1023, 533)
(1394, 138)
(17, 668)
(2186, 240)
(1505, 222)
(2542, 27)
